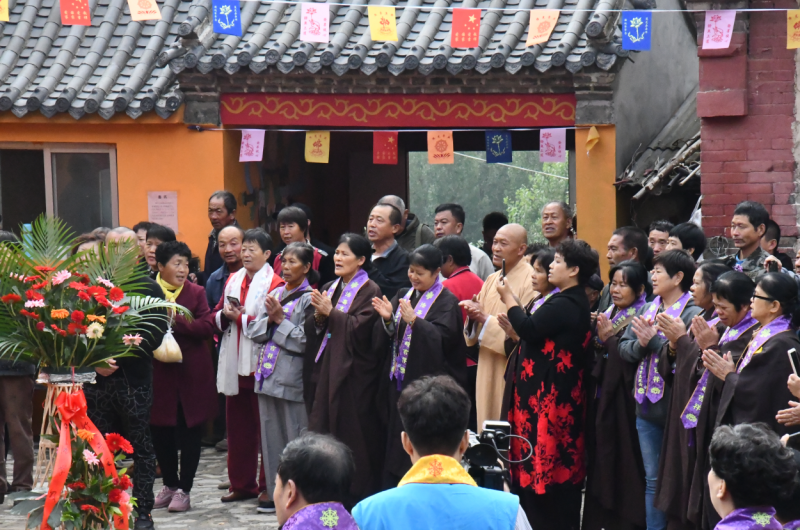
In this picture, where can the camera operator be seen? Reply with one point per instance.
(437, 491)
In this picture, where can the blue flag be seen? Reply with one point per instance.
(498, 146)
(227, 19)
(637, 28)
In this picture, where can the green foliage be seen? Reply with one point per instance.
(481, 188)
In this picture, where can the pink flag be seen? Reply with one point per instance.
(314, 22)
(252, 149)
(718, 29)
(552, 145)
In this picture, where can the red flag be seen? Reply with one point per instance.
(466, 28)
(384, 147)
(75, 13)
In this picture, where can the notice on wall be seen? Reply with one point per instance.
(162, 208)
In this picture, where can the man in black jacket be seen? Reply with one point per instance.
(390, 261)
(221, 212)
(121, 399)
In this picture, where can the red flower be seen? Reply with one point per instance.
(76, 486)
(45, 270)
(115, 495)
(116, 294)
(83, 277)
(62, 332)
(38, 286)
(31, 279)
(73, 329)
(33, 295)
(121, 309)
(84, 296)
(89, 508)
(78, 286)
(78, 316)
(40, 326)
(11, 298)
(123, 482)
(29, 314)
(55, 328)
(117, 443)
(97, 290)
(103, 301)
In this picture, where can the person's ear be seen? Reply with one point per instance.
(406, 441)
(361, 261)
(574, 271)
(722, 490)
(267, 254)
(306, 268)
(464, 445)
(634, 254)
(678, 278)
(291, 493)
(160, 267)
(761, 230)
(690, 251)
(459, 228)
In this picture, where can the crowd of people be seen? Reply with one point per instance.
(344, 378)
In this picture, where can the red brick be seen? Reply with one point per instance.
(769, 154)
(770, 110)
(714, 145)
(748, 188)
(724, 156)
(713, 210)
(729, 209)
(783, 165)
(723, 73)
(783, 187)
(770, 176)
(763, 198)
(759, 97)
(785, 220)
(725, 199)
(782, 198)
(748, 166)
(711, 167)
(715, 222)
(781, 209)
(770, 65)
(712, 104)
(753, 127)
(770, 75)
(781, 143)
(723, 178)
(711, 189)
(730, 144)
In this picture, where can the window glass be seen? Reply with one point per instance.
(82, 190)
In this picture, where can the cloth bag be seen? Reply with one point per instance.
(169, 351)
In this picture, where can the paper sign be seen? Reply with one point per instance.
(143, 10)
(75, 13)
(498, 147)
(4, 10)
(793, 29)
(637, 28)
(162, 208)
(252, 148)
(382, 23)
(318, 146)
(542, 24)
(718, 29)
(227, 19)
(591, 139)
(466, 28)
(314, 22)
(384, 147)
(552, 145)
(440, 147)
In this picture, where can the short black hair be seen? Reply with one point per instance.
(533, 248)
(395, 215)
(634, 237)
(757, 469)
(661, 225)
(258, 235)
(691, 236)
(8, 237)
(142, 225)
(455, 210)
(773, 231)
(165, 251)
(160, 232)
(228, 199)
(455, 246)
(711, 270)
(783, 289)
(305, 208)
(735, 287)
(435, 414)
(321, 467)
(578, 253)
(360, 246)
(426, 256)
(544, 257)
(293, 214)
(305, 253)
(494, 221)
(634, 274)
(675, 261)
(754, 211)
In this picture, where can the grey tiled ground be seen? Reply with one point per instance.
(207, 511)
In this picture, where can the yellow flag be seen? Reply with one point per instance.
(541, 25)
(592, 138)
(382, 23)
(440, 147)
(793, 29)
(4, 10)
(318, 146)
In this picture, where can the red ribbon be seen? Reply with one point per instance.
(72, 408)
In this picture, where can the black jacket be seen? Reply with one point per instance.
(213, 260)
(390, 272)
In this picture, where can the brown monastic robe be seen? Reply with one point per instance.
(491, 356)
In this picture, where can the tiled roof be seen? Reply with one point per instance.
(108, 67)
(587, 33)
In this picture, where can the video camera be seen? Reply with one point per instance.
(485, 449)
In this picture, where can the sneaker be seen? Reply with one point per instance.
(180, 502)
(164, 497)
(144, 522)
(222, 446)
(266, 507)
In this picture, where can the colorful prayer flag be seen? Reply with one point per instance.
(384, 147)
(637, 28)
(382, 23)
(466, 28)
(314, 22)
(75, 13)
(552, 145)
(4, 10)
(318, 146)
(793, 29)
(252, 148)
(498, 146)
(440, 147)
(143, 10)
(542, 24)
(227, 18)
(591, 139)
(718, 29)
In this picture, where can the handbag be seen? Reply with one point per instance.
(169, 351)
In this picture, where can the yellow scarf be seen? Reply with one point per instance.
(171, 292)
(437, 469)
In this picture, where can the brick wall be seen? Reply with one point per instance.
(747, 151)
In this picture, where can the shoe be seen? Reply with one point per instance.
(180, 502)
(210, 441)
(164, 497)
(222, 446)
(144, 522)
(236, 496)
(224, 485)
(266, 507)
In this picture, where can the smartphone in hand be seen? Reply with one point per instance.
(234, 301)
(504, 268)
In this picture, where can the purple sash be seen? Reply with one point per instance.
(267, 365)
(778, 325)
(538, 303)
(322, 516)
(624, 315)
(692, 409)
(760, 518)
(348, 295)
(648, 382)
(400, 358)
(792, 525)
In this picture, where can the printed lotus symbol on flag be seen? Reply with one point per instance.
(441, 146)
(226, 11)
(543, 26)
(317, 151)
(144, 4)
(637, 23)
(385, 25)
(497, 140)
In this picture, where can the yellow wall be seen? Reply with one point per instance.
(152, 155)
(595, 203)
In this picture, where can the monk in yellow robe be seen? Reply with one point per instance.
(481, 326)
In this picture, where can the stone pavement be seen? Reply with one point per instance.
(207, 511)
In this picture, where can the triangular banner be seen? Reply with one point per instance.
(498, 147)
(75, 13)
(466, 30)
(314, 22)
(592, 138)
(637, 28)
(718, 29)
(4, 10)
(384, 147)
(318, 146)
(440, 147)
(382, 23)
(143, 10)
(227, 17)
(552, 145)
(793, 29)
(542, 24)
(252, 148)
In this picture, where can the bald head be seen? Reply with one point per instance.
(123, 237)
(509, 244)
(231, 231)
(398, 203)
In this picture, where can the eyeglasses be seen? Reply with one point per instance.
(764, 298)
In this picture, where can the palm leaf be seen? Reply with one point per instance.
(48, 243)
(117, 262)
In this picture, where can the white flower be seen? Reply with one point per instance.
(105, 282)
(95, 330)
(34, 303)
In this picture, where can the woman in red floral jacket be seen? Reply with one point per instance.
(544, 392)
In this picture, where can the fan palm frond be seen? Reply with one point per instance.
(49, 243)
